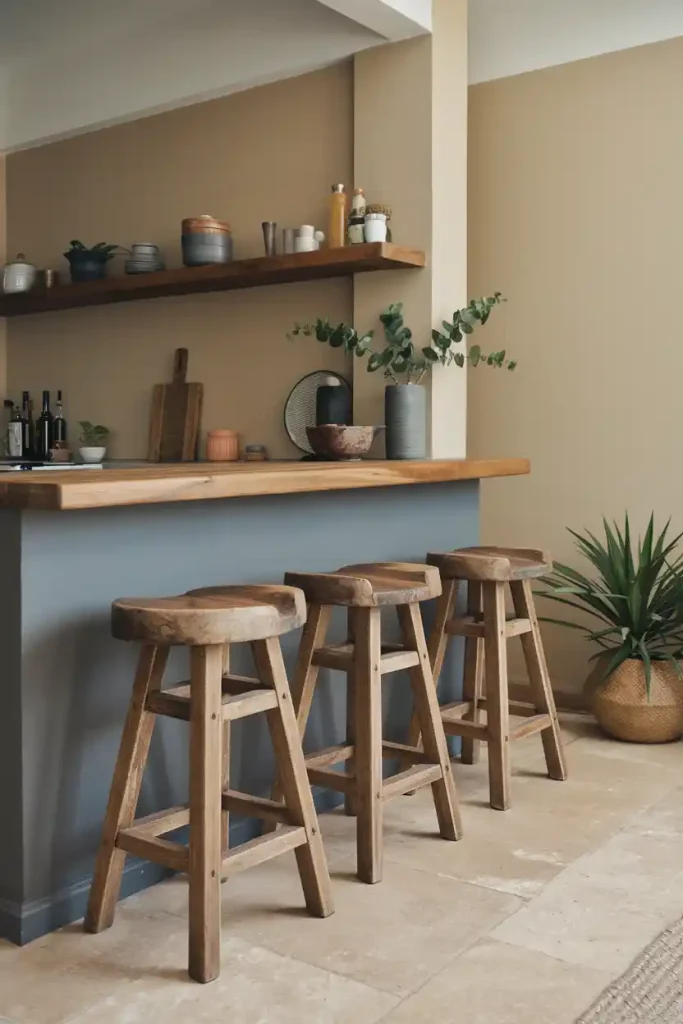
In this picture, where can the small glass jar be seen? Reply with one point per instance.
(375, 227)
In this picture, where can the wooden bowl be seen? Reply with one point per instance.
(340, 442)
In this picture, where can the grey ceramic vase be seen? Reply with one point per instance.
(405, 415)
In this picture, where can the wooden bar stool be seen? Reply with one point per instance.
(486, 629)
(364, 590)
(207, 621)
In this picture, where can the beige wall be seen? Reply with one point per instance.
(267, 154)
(576, 179)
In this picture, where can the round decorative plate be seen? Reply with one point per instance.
(300, 406)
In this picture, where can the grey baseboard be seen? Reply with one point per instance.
(21, 923)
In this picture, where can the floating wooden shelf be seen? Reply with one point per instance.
(305, 266)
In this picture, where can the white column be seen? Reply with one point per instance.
(411, 154)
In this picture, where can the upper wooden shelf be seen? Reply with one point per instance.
(305, 266)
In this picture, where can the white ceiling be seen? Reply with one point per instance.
(508, 37)
(71, 65)
(76, 64)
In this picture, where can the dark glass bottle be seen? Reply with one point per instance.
(15, 434)
(44, 429)
(59, 423)
(28, 442)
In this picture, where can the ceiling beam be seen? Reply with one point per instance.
(392, 19)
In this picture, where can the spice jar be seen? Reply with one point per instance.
(222, 446)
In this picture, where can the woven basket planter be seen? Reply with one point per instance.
(622, 708)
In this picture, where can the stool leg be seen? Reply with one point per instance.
(304, 679)
(298, 799)
(473, 675)
(350, 798)
(438, 643)
(368, 728)
(429, 717)
(539, 678)
(205, 812)
(498, 712)
(225, 767)
(125, 790)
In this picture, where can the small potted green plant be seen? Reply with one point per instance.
(90, 264)
(635, 596)
(93, 441)
(405, 367)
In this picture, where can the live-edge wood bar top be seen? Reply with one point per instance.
(154, 484)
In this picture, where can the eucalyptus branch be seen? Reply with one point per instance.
(399, 357)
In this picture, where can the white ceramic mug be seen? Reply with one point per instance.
(307, 231)
(305, 244)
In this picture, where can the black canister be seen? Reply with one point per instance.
(332, 404)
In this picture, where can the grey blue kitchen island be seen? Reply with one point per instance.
(74, 541)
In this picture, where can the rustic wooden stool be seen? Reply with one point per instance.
(486, 629)
(207, 621)
(364, 590)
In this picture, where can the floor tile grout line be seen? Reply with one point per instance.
(260, 947)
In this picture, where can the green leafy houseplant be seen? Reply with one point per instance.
(89, 264)
(636, 596)
(93, 435)
(399, 356)
(101, 251)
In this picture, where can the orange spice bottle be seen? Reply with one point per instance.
(336, 236)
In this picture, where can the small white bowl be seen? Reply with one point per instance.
(91, 454)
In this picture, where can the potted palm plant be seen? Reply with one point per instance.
(404, 366)
(636, 599)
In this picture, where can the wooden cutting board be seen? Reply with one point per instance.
(176, 412)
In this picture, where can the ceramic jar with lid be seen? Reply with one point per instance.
(19, 275)
(375, 227)
(205, 240)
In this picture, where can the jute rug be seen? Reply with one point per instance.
(650, 991)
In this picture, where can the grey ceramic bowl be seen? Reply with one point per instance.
(200, 250)
(341, 442)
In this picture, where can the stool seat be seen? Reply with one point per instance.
(492, 564)
(369, 585)
(213, 615)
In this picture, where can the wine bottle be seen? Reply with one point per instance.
(44, 429)
(59, 423)
(15, 434)
(28, 434)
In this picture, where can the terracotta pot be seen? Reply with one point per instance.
(622, 708)
(222, 446)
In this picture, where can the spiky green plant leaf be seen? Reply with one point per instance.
(635, 594)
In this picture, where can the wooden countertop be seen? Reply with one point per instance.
(146, 485)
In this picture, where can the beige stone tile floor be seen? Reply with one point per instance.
(523, 922)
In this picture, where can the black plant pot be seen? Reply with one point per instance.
(87, 266)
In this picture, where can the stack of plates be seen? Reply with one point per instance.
(145, 258)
